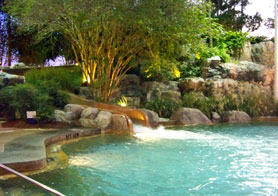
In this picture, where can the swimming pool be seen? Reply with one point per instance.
(204, 160)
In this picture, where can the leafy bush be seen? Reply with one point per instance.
(16, 100)
(235, 41)
(160, 70)
(57, 98)
(67, 79)
(252, 101)
(164, 107)
(257, 39)
(197, 100)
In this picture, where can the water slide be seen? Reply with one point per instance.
(134, 115)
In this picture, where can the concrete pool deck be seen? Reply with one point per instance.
(25, 149)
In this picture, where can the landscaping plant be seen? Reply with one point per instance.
(17, 100)
(107, 36)
(163, 106)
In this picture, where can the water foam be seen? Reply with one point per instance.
(149, 134)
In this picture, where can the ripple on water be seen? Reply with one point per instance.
(216, 160)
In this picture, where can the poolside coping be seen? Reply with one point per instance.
(27, 152)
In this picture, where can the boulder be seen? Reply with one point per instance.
(191, 84)
(220, 84)
(119, 123)
(152, 90)
(87, 122)
(172, 85)
(61, 116)
(189, 116)
(130, 79)
(129, 86)
(244, 71)
(90, 113)
(103, 119)
(263, 53)
(10, 79)
(246, 52)
(133, 101)
(151, 95)
(151, 86)
(215, 117)
(153, 116)
(268, 76)
(74, 111)
(235, 117)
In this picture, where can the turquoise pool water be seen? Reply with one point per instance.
(215, 160)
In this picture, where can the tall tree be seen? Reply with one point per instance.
(107, 35)
(230, 13)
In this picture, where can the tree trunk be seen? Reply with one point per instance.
(9, 32)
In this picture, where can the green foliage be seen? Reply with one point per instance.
(107, 36)
(235, 41)
(65, 78)
(57, 98)
(160, 70)
(257, 39)
(231, 14)
(164, 107)
(16, 100)
(254, 102)
(197, 100)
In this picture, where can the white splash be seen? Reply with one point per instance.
(149, 134)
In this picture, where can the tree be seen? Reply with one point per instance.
(269, 23)
(230, 13)
(106, 36)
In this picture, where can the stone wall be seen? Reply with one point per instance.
(261, 53)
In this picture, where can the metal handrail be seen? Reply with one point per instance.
(31, 180)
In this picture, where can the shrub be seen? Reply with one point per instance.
(197, 100)
(164, 107)
(257, 39)
(17, 100)
(58, 98)
(235, 41)
(67, 79)
(160, 70)
(252, 100)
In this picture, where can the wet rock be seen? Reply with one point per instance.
(153, 116)
(119, 123)
(90, 113)
(103, 119)
(235, 117)
(216, 118)
(73, 111)
(189, 116)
